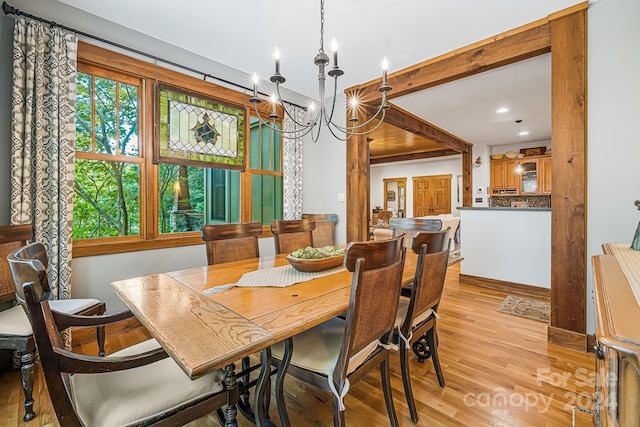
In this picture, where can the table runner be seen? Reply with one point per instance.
(278, 277)
(629, 261)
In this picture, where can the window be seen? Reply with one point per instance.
(108, 165)
(124, 200)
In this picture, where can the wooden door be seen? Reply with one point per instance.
(511, 178)
(431, 195)
(497, 175)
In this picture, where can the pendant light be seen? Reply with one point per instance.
(519, 169)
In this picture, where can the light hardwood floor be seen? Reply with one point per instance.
(499, 370)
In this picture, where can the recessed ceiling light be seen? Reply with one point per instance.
(524, 132)
(502, 110)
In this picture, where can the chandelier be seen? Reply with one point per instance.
(519, 169)
(320, 116)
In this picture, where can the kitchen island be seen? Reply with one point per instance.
(507, 244)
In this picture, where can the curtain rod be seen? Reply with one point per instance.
(10, 10)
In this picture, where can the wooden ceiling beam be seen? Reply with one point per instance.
(521, 43)
(402, 119)
(413, 156)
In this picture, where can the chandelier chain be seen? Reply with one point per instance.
(321, 25)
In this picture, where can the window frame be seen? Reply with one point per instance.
(98, 60)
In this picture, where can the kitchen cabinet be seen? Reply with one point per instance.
(503, 177)
(545, 175)
(535, 178)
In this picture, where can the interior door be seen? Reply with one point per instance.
(431, 195)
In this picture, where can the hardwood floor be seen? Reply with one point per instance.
(499, 370)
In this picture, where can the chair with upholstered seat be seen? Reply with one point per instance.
(290, 235)
(234, 242)
(139, 385)
(231, 242)
(325, 231)
(338, 352)
(417, 316)
(15, 328)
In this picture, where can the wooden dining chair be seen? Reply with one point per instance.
(338, 352)
(15, 328)
(231, 242)
(417, 316)
(325, 231)
(290, 235)
(384, 216)
(139, 385)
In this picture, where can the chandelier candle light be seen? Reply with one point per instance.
(322, 116)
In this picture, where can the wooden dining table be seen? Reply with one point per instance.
(203, 333)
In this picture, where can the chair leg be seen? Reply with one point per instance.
(406, 382)
(432, 340)
(386, 389)
(100, 336)
(27, 360)
(282, 371)
(338, 415)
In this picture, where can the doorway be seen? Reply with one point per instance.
(395, 195)
(431, 195)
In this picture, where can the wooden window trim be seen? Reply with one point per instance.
(102, 62)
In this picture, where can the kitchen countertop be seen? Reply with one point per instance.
(480, 208)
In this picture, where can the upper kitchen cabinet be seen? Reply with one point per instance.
(535, 178)
(504, 180)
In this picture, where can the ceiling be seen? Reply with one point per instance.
(406, 32)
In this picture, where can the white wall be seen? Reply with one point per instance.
(614, 142)
(324, 173)
(446, 165)
(509, 245)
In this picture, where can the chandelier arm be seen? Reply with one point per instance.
(304, 125)
(329, 118)
(297, 133)
(351, 129)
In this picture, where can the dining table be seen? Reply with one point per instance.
(205, 322)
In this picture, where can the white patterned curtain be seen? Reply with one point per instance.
(43, 135)
(292, 160)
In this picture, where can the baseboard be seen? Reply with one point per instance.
(84, 336)
(508, 287)
(565, 338)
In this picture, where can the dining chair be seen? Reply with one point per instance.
(15, 328)
(235, 242)
(417, 316)
(384, 216)
(231, 242)
(338, 352)
(290, 235)
(325, 231)
(139, 385)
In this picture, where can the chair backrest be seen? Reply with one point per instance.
(384, 216)
(29, 264)
(231, 242)
(290, 235)
(325, 232)
(411, 226)
(429, 278)
(375, 292)
(12, 237)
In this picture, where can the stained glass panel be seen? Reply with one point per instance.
(199, 131)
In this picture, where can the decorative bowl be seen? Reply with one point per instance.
(312, 265)
(497, 156)
(511, 154)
